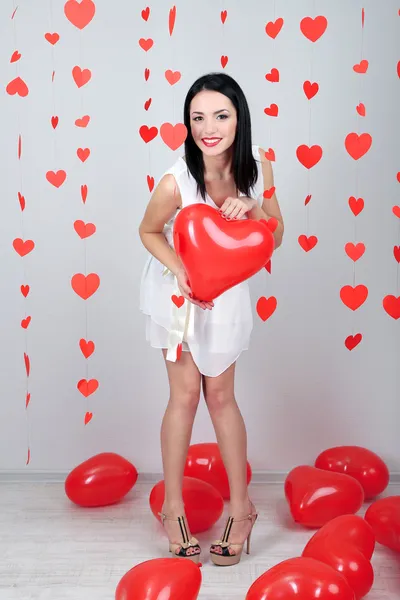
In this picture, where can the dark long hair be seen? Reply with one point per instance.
(244, 165)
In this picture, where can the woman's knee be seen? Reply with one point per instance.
(186, 393)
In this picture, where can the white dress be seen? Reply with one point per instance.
(214, 337)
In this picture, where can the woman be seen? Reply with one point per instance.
(201, 341)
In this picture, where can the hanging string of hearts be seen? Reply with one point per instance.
(22, 246)
(83, 284)
(354, 296)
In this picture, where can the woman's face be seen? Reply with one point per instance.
(212, 115)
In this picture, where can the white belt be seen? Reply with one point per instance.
(181, 323)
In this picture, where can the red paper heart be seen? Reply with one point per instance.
(81, 76)
(88, 417)
(84, 191)
(309, 156)
(267, 194)
(148, 134)
(171, 19)
(146, 13)
(172, 76)
(83, 154)
(84, 230)
(146, 45)
(25, 322)
(313, 29)
(352, 341)
(15, 56)
(300, 578)
(86, 387)
(56, 178)
(396, 211)
(85, 285)
(27, 364)
(272, 110)
(266, 307)
(224, 61)
(273, 76)
(391, 304)
(147, 104)
(54, 122)
(354, 251)
(396, 253)
(25, 290)
(79, 13)
(356, 205)
(178, 300)
(21, 200)
(270, 154)
(361, 67)
(173, 135)
(87, 347)
(23, 247)
(273, 28)
(384, 518)
(307, 243)
(310, 89)
(224, 14)
(353, 297)
(83, 122)
(218, 254)
(358, 145)
(150, 183)
(360, 108)
(17, 86)
(52, 38)
(362, 464)
(310, 505)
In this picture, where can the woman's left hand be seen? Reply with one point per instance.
(236, 208)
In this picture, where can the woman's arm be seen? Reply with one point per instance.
(160, 209)
(270, 206)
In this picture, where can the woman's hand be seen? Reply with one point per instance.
(184, 287)
(236, 208)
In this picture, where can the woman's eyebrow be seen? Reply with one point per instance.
(197, 112)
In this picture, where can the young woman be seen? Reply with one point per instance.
(201, 341)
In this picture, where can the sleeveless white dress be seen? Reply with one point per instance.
(215, 337)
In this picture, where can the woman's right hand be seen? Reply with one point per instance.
(184, 287)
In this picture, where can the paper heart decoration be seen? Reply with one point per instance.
(52, 38)
(146, 45)
(85, 285)
(273, 28)
(310, 89)
(171, 19)
(273, 76)
(391, 304)
(86, 387)
(21, 200)
(23, 247)
(87, 347)
(358, 145)
(266, 307)
(309, 156)
(311, 579)
(384, 518)
(352, 341)
(25, 290)
(224, 61)
(360, 108)
(84, 230)
(356, 205)
(316, 496)
(81, 76)
(25, 322)
(361, 67)
(173, 135)
(148, 133)
(88, 417)
(54, 122)
(15, 56)
(178, 300)
(146, 13)
(353, 297)
(56, 178)
(354, 252)
(172, 76)
(218, 254)
(272, 110)
(307, 243)
(346, 544)
(362, 464)
(83, 154)
(313, 29)
(27, 364)
(17, 86)
(83, 122)
(79, 13)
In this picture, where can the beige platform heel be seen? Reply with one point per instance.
(219, 550)
(188, 548)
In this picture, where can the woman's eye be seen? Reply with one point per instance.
(224, 117)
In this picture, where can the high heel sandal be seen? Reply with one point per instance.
(189, 548)
(219, 550)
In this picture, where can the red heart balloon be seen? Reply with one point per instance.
(218, 254)
(346, 544)
(349, 529)
(300, 578)
(204, 462)
(384, 518)
(362, 464)
(161, 578)
(316, 496)
(204, 504)
(101, 480)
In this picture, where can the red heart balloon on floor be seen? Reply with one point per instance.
(301, 579)
(346, 543)
(218, 254)
(204, 461)
(362, 464)
(316, 496)
(349, 529)
(384, 518)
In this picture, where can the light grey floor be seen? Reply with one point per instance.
(52, 550)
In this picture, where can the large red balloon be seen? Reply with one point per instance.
(204, 504)
(161, 579)
(300, 579)
(101, 480)
(204, 462)
(316, 496)
(346, 529)
(346, 543)
(384, 518)
(218, 254)
(362, 464)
